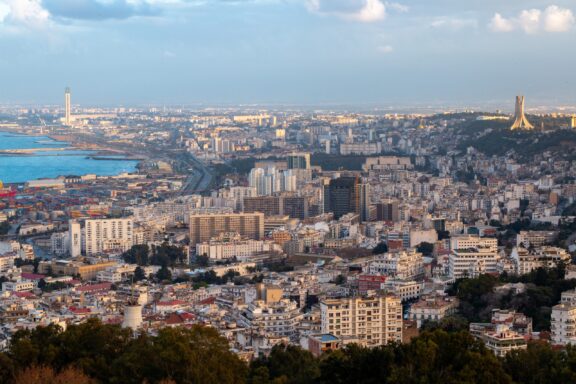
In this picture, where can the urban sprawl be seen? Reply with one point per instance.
(312, 228)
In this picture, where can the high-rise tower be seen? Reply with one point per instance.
(520, 121)
(347, 194)
(67, 105)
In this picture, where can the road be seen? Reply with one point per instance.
(199, 177)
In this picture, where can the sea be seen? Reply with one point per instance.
(51, 164)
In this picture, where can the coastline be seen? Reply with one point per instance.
(104, 156)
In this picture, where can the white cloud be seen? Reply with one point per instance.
(4, 11)
(385, 48)
(529, 20)
(24, 12)
(552, 19)
(557, 19)
(452, 23)
(501, 24)
(397, 7)
(365, 11)
(373, 10)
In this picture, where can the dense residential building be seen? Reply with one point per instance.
(471, 256)
(387, 163)
(279, 318)
(527, 260)
(104, 235)
(535, 238)
(388, 211)
(347, 195)
(298, 161)
(507, 331)
(204, 227)
(400, 265)
(433, 309)
(294, 206)
(231, 245)
(563, 324)
(371, 320)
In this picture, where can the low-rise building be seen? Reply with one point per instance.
(433, 308)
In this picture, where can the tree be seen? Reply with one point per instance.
(164, 274)
(195, 355)
(425, 248)
(138, 254)
(110, 354)
(139, 274)
(202, 260)
(288, 364)
(47, 375)
(380, 248)
(540, 363)
(4, 227)
(166, 254)
(340, 280)
(443, 235)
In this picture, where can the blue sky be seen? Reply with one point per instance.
(135, 52)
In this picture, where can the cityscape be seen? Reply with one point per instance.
(285, 242)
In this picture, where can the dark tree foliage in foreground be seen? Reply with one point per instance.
(434, 357)
(109, 354)
(93, 353)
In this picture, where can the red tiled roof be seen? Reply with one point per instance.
(32, 276)
(209, 300)
(79, 311)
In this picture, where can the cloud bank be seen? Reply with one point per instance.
(365, 11)
(553, 19)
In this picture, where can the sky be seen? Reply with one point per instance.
(299, 52)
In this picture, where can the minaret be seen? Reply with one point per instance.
(67, 105)
(520, 121)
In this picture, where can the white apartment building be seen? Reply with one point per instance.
(18, 286)
(279, 319)
(535, 238)
(563, 324)
(502, 340)
(544, 257)
(227, 247)
(404, 289)
(108, 235)
(374, 321)
(266, 181)
(60, 243)
(507, 331)
(75, 241)
(7, 262)
(568, 297)
(433, 308)
(472, 256)
(117, 273)
(360, 148)
(400, 265)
